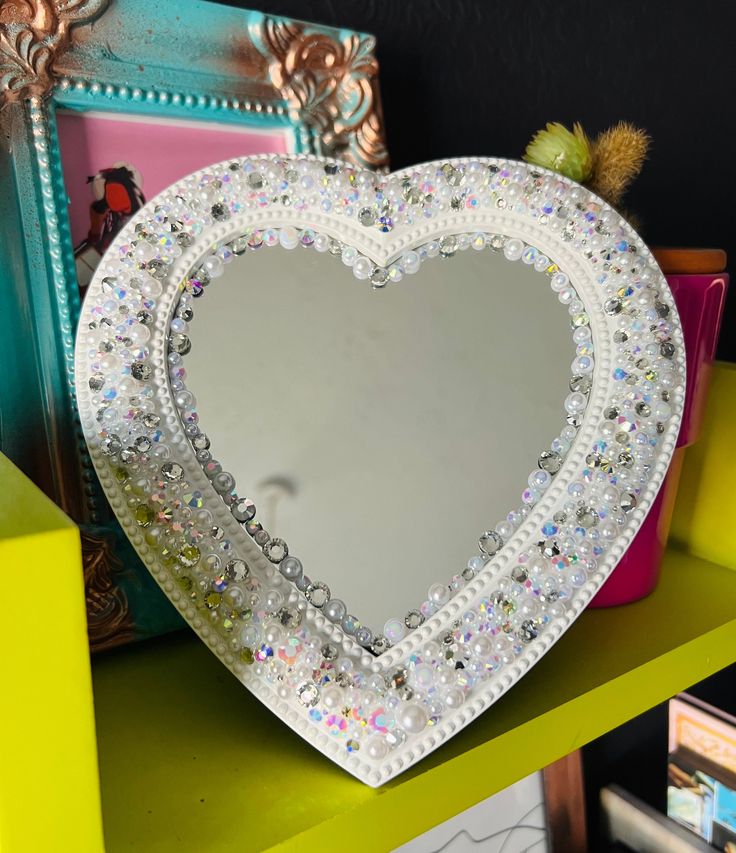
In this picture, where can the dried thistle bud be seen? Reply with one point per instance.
(618, 157)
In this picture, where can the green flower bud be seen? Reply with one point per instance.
(562, 151)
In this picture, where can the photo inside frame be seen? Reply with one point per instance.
(114, 164)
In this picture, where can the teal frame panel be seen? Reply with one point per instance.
(196, 61)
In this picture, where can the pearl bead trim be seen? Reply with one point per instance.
(376, 716)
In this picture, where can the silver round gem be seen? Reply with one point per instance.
(172, 471)
(237, 570)
(413, 619)
(243, 509)
(141, 370)
(550, 461)
(275, 550)
(490, 543)
(317, 593)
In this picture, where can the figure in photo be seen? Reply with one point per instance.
(117, 195)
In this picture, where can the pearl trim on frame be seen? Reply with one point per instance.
(376, 714)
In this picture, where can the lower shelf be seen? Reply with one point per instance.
(189, 760)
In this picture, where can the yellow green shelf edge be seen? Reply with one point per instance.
(182, 744)
(49, 786)
(492, 766)
(611, 666)
(49, 790)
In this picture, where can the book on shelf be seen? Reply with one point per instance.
(701, 770)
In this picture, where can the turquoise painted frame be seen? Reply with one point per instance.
(194, 60)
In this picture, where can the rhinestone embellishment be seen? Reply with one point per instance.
(238, 584)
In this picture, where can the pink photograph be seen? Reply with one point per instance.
(113, 164)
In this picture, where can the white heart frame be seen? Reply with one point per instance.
(377, 715)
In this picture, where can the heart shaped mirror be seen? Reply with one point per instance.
(380, 440)
(393, 425)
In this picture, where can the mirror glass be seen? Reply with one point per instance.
(380, 432)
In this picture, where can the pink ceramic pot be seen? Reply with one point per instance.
(699, 299)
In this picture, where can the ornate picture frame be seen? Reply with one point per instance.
(197, 62)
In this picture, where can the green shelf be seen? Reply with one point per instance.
(190, 761)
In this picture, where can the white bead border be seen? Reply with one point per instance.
(382, 250)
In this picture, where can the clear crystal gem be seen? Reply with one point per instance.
(628, 501)
(581, 384)
(243, 509)
(626, 460)
(550, 461)
(398, 677)
(586, 516)
(549, 548)
(141, 370)
(528, 631)
(238, 246)
(143, 444)
(219, 212)
(412, 194)
(379, 277)
(453, 175)
(380, 644)
(308, 694)
(413, 619)
(329, 652)
(448, 246)
(490, 543)
(200, 442)
(172, 470)
(276, 550)
(504, 602)
(519, 574)
(180, 343)
(318, 594)
(289, 617)
(237, 570)
(157, 268)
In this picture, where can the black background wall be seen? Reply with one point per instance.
(473, 77)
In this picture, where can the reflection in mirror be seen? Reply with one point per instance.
(380, 432)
